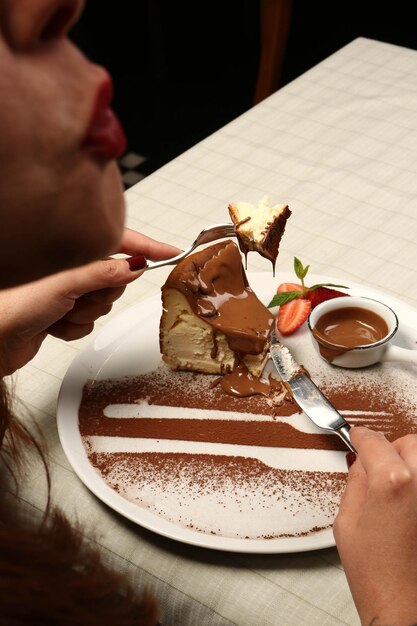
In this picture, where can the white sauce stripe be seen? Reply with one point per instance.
(144, 410)
(279, 458)
(367, 413)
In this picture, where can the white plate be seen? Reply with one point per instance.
(128, 345)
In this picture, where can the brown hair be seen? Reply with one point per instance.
(49, 575)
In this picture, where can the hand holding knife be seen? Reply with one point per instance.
(307, 395)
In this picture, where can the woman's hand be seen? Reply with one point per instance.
(134, 243)
(376, 529)
(67, 304)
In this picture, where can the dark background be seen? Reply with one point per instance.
(184, 69)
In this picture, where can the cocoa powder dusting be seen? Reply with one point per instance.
(206, 477)
(180, 487)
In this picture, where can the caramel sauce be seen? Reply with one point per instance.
(241, 383)
(347, 328)
(217, 290)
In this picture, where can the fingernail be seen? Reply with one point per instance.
(137, 262)
(350, 458)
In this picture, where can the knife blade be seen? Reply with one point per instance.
(307, 395)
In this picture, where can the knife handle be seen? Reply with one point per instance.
(343, 433)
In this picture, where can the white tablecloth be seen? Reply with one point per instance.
(339, 145)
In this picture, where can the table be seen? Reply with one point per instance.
(339, 145)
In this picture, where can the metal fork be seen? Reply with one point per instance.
(218, 231)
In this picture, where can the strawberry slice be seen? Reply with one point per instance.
(292, 315)
(295, 312)
(321, 294)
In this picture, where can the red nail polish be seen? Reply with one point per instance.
(350, 458)
(137, 262)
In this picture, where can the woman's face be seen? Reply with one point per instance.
(61, 201)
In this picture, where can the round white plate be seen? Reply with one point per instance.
(129, 346)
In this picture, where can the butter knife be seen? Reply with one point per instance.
(307, 395)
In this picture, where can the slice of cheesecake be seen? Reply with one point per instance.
(211, 317)
(259, 227)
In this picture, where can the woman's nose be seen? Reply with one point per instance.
(28, 23)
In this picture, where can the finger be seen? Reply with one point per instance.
(68, 331)
(384, 466)
(407, 449)
(134, 242)
(87, 311)
(106, 274)
(354, 495)
(105, 296)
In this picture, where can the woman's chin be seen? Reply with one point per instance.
(97, 229)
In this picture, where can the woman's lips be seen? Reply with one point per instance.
(105, 137)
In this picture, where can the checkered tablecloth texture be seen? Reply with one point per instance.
(339, 145)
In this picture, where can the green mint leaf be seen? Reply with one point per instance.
(300, 270)
(284, 297)
(327, 285)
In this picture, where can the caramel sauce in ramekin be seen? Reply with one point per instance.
(347, 328)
